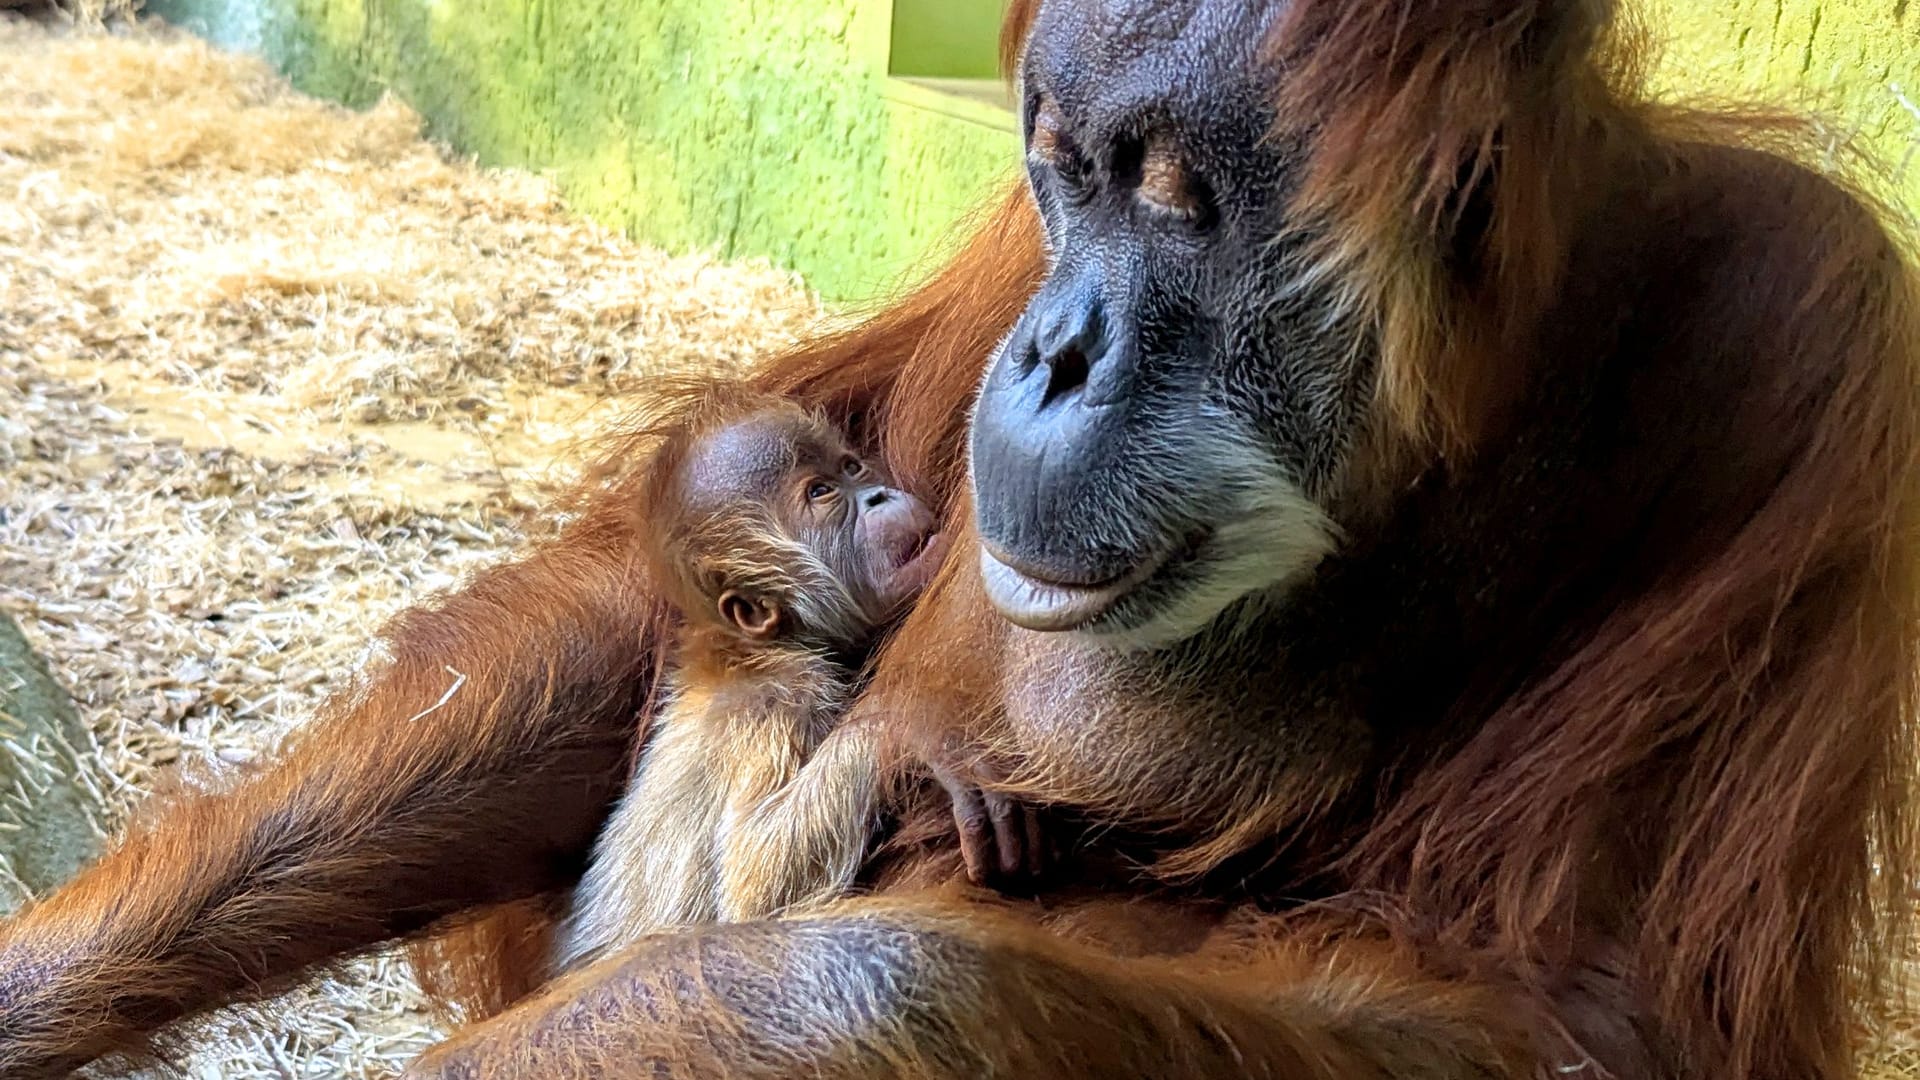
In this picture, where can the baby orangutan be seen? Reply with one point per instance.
(785, 554)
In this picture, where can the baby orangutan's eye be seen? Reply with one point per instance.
(818, 490)
(852, 466)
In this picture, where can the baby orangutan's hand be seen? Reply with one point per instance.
(1001, 837)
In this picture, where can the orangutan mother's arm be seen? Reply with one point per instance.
(473, 768)
(944, 991)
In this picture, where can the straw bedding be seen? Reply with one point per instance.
(271, 370)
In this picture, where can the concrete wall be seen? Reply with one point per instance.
(773, 127)
(757, 127)
(1856, 62)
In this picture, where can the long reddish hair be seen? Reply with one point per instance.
(1738, 737)
(1717, 776)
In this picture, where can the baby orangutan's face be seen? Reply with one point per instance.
(881, 544)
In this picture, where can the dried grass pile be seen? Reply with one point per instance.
(269, 371)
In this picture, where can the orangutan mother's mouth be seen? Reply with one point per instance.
(1036, 603)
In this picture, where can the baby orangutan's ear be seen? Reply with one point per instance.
(755, 618)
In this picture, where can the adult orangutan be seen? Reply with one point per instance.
(1443, 526)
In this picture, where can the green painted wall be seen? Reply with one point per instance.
(1856, 62)
(771, 127)
(755, 127)
(948, 39)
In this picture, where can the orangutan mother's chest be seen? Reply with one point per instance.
(1144, 737)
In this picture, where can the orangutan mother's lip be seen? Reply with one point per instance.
(1038, 604)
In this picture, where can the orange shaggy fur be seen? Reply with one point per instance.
(1669, 849)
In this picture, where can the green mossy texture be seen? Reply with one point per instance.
(760, 127)
(749, 127)
(49, 821)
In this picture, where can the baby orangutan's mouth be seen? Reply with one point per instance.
(916, 563)
(918, 547)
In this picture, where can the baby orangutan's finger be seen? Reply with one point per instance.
(1009, 832)
(976, 830)
(1039, 843)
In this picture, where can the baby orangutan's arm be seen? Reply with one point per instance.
(786, 844)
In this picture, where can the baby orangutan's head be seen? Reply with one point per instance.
(776, 529)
